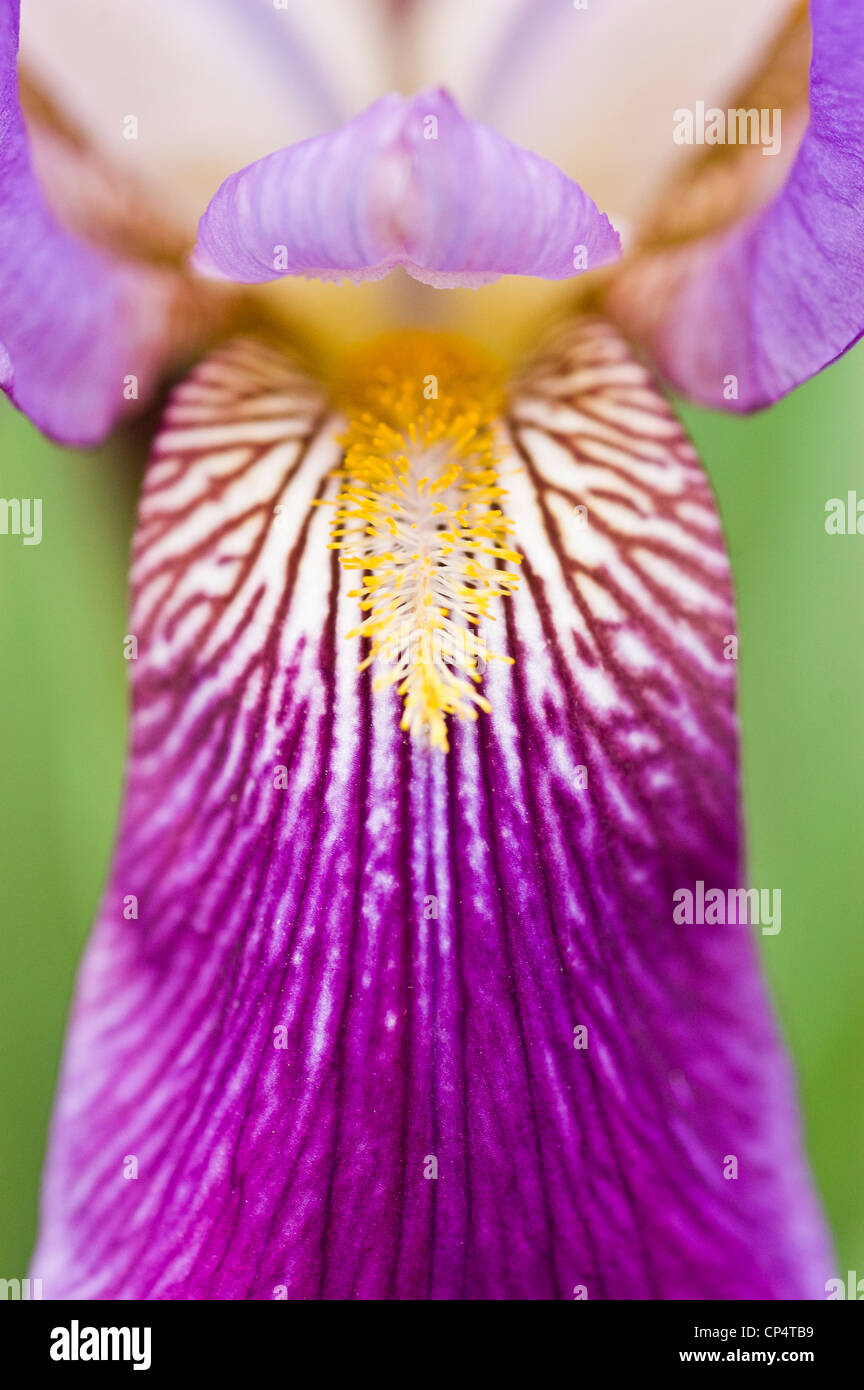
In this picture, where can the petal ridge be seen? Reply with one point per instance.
(408, 182)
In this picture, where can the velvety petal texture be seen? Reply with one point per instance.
(739, 319)
(408, 182)
(82, 335)
(366, 1020)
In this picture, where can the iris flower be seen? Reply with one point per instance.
(433, 704)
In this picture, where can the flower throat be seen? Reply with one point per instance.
(419, 515)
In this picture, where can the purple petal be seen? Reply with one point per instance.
(75, 325)
(778, 298)
(410, 183)
(328, 955)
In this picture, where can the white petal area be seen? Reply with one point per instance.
(594, 89)
(214, 84)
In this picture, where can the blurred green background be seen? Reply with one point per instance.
(62, 716)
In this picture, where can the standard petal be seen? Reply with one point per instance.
(323, 1044)
(738, 319)
(82, 334)
(592, 85)
(410, 183)
(209, 83)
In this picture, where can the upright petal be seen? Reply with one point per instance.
(411, 183)
(739, 318)
(593, 85)
(82, 334)
(210, 83)
(362, 1019)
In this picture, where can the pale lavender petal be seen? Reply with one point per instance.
(82, 335)
(323, 1044)
(410, 183)
(750, 314)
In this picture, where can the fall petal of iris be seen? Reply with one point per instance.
(331, 1002)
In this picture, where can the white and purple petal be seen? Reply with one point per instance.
(594, 86)
(740, 318)
(408, 182)
(83, 334)
(323, 1042)
(210, 83)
